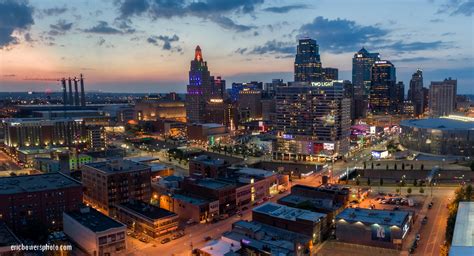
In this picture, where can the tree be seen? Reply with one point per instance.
(386, 167)
(422, 167)
(372, 165)
(357, 181)
(403, 166)
(395, 167)
(368, 181)
(411, 167)
(381, 182)
(409, 190)
(365, 165)
(422, 190)
(397, 190)
(468, 192)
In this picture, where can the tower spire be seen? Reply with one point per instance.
(198, 54)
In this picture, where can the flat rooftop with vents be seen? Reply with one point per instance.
(146, 210)
(369, 216)
(288, 213)
(463, 238)
(94, 220)
(36, 183)
(118, 166)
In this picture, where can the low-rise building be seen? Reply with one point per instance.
(305, 222)
(190, 207)
(338, 194)
(94, 232)
(38, 199)
(261, 239)
(148, 219)
(204, 166)
(463, 244)
(213, 189)
(208, 132)
(379, 228)
(7, 239)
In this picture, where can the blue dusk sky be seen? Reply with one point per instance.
(146, 45)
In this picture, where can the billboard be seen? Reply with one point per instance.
(328, 146)
(381, 233)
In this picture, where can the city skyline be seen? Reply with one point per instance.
(124, 44)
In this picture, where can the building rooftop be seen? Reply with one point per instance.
(463, 238)
(212, 125)
(288, 213)
(94, 220)
(332, 189)
(35, 183)
(147, 210)
(205, 159)
(212, 183)
(369, 216)
(254, 172)
(7, 237)
(141, 159)
(321, 203)
(118, 166)
(190, 199)
(444, 123)
(221, 247)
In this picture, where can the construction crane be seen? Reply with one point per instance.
(41, 79)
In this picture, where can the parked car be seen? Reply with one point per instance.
(143, 239)
(166, 240)
(418, 237)
(425, 219)
(177, 235)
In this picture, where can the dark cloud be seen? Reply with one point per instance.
(166, 41)
(128, 8)
(341, 35)
(101, 41)
(230, 24)
(212, 10)
(54, 11)
(286, 8)
(416, 46)
(413, 59)
(103, 28)
(457, 7)
(28, 38)
(271, 47)
(61, 26)
(14, 16)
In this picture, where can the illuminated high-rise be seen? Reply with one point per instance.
(361, 78)
(312, 120)
(383, 88)
(442, 97)
(198, 89)
(415, 92)
(308, 62)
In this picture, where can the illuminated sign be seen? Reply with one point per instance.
(381, 233)
(287, 136)
(216, 100)
(373, 130)
(328, 146)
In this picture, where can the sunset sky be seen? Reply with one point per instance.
(146, 45)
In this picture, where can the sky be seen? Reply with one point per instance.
(147, 45)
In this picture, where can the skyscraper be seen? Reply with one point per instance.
(198, 89)
(382, 89)
(312, 120)
(415, 93)
(308, 61)
(361, 78)
(442, 96)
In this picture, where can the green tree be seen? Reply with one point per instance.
(422, 190)
(414, 183)
(409, 190)
(397, 190)
(368, 181)
(422, 167)
(381, 182)
(357, 181)
(395, 167)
